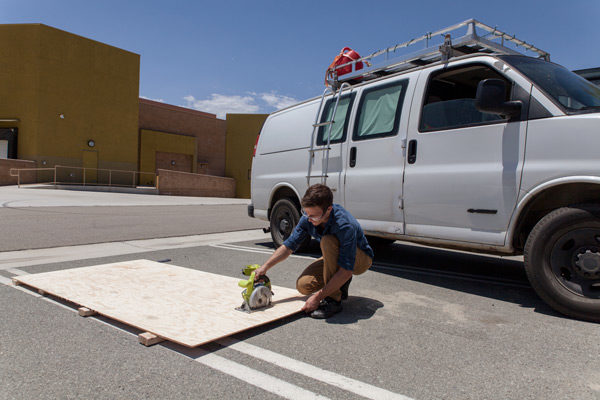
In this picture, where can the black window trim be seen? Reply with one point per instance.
(404, 84)
(321, 131)
(426, 96)
(561, 107)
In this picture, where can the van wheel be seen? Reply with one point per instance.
(284, 218)
(562, 260)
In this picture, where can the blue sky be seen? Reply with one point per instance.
(257, 56)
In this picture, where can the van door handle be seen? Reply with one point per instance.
(412, 151)
(352, 157)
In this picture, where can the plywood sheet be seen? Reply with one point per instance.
(182, 305)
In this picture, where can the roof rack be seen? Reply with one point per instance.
(470, 43)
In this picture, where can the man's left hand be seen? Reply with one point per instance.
(311, 304)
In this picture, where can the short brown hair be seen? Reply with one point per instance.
(318, 196)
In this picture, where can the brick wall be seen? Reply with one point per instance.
(7, 164)
(186, 184)
(209, 130)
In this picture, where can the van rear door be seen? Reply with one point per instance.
(338, 133)
(375, 162)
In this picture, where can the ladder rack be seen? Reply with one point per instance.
(469, 43)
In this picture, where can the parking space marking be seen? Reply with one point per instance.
(228, 367)
(398, 268)
(319, 374)
(252, 376)
(24, 258)
(230, 246)
(256, 378)
(16, 271)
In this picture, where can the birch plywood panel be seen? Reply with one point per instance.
(182, 305)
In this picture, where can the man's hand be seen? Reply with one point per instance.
(260, 272)
(312, 303)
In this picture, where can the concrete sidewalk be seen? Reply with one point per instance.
(15, 197)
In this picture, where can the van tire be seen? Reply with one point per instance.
(284, 218)
(562, 260)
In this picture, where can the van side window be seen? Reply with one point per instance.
(379, 111)
(342, 115)
(450, 99)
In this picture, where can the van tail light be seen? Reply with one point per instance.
(255, 144)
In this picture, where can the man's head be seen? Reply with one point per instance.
(316, 203)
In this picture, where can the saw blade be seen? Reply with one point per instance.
(260, 297)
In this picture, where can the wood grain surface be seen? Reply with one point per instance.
(182, 305)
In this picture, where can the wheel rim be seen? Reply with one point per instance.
(575, 261)
(284, 223)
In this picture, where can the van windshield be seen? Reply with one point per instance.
(568, 89)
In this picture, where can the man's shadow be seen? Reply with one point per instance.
(355, 309)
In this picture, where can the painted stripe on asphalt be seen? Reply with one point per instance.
(228, 367)
(16, 271)
(405, 268)
(6, 281)
(299, 367)
(24, 258)
(256, 378)
(254, 250)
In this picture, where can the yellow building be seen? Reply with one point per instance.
(242, 131)
(69, 100)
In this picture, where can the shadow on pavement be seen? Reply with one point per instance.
(355, 309)
(498, 278)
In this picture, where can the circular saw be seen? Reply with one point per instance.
(256, 294)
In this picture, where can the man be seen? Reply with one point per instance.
(345, 251)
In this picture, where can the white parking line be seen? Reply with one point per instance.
(229, 246)
(16, 271)
(299, 367)
(398, 268)
(24, 258)
(257, 378)
(260, 379)
(239, 371)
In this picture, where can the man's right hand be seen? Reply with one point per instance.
(259, 272)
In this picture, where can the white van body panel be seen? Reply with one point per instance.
(373, 187)
(468, 168)
(497, 167)
(559, 147)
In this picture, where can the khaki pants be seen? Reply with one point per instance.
(317, 274)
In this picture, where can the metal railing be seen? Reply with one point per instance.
(66, 175)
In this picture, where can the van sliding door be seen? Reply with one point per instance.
(373, 179)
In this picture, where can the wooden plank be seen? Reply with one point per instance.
(182, 305)
(148, 339)
(86, 312)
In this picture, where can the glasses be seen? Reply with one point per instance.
(314, 219)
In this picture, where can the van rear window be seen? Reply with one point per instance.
(340, 125)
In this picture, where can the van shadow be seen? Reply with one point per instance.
(499, 278)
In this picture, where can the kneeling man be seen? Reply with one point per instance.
(345, 251)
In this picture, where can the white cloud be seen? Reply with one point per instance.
(220, 104)
(250, 103)
(278, 101)
(148, 98)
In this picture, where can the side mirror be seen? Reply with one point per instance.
(490, 99)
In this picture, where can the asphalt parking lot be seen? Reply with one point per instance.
(421, 324)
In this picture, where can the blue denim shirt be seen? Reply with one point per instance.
(342, 225)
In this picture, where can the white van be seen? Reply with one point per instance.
(470, 146)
